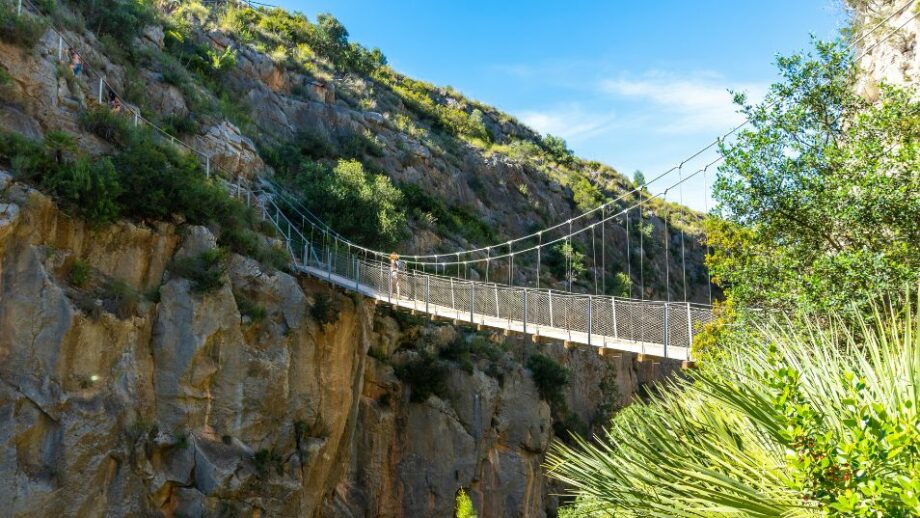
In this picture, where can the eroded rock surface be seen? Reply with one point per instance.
(182, 404)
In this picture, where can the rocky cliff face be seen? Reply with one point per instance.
(125, 392)
(892, 59)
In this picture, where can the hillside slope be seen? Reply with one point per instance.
(267, 92)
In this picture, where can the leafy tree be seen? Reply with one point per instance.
(123, 20)
(791, 421)
(566, 262)
(819, 197)
(639, 179)
(557, 148)
(340, 193)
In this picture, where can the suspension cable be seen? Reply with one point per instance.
(706, 208)
(539, 248)
(603, 252)
(594, 259)
(641, 254)
(683, 250)
(628, 256)
(667, 254)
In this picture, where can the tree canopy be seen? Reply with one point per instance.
(818, 200)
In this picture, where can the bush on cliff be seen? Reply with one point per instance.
(426, 375)
(20, 29)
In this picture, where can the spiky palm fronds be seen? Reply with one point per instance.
(793, 421)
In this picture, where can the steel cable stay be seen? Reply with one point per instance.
(575, 232)
(683, 250)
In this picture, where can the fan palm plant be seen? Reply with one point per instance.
(794, 420)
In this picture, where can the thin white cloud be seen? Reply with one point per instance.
(570, 121)
(685, 104)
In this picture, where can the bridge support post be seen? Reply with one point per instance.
(61, 49)
(590, 318)
(427, 292)
(357, 273)
(472, 302)
(453, 305)
(551, 324)
(689, 330)
(613, 306)
(497, 312)
(525, 311)
(667, 330)
(329, 265)
(101, 87)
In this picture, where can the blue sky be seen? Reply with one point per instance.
(637, 85)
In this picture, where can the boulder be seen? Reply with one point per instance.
(229, 150)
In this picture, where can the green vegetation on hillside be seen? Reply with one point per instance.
(24, 31)
(144, 179)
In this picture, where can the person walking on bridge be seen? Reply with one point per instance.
(394, 273)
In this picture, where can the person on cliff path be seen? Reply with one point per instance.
(76, 63)
(394, 273)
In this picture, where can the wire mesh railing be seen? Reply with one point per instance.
(658, 328)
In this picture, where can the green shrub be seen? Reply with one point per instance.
(248, 308)
(28, 159)
(456, 220)
(24, 30)
(325, 309)
(425, 375)
(566, 261)
(459, 352)
(180, 124)
(265, 459)
(587, 195)
(358, 145)
(482, 346)
(107, 125)
(464, 507)
(121, 299)
(5, 81)
(205, 271)
(88, 188)
(123, 20)
(619, 285)
(549, 377)
(378, 354)
(558, 149)
(80, 273)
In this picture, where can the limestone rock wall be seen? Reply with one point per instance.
(156, 400)
(891, 59)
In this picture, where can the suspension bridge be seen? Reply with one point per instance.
(422, 283)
